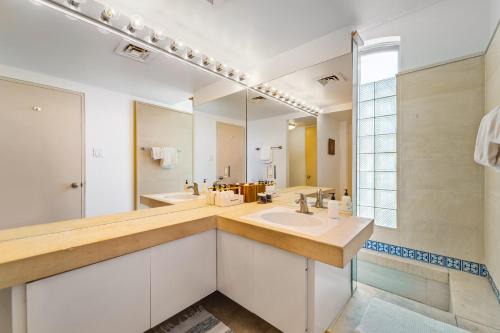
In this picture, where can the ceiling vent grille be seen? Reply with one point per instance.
(258, 99)
(134, 52)
(335, 77)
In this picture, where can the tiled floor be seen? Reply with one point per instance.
(236, 317)
(356, 307)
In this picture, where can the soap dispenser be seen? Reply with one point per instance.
(186, 186)
(204, 188)
(346, 204)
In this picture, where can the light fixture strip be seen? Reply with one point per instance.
(109, 28)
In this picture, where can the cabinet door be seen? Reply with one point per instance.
(110, 296)
(267, 281)
(182, 272)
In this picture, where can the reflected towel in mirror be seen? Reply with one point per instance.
(169, 157)
(266, 154)
(487, 151)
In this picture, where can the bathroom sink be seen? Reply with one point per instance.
(288, 218)
(176, 197)
(181, 196)
(292, 219)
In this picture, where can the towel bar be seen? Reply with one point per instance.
(277, 147)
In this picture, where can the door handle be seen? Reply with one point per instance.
(308, 177)
(75, 185)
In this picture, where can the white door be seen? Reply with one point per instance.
(41, 160)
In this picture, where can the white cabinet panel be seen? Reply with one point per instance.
(234, 269)
(267, 281)
(329, 291)
(182, 272)
(110, 296)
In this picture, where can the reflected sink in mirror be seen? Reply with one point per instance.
(176, 197)
(288, 218)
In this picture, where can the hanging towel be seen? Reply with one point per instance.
(156, 153)
(169, 157)
(487, 150)
(266, 154)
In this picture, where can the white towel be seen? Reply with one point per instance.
(487, 150)
(266, 154)
(169, 157)
(156, 153)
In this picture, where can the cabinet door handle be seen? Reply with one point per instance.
(75, 185)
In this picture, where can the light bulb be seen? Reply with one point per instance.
(243, 77)
(191, 54)
(231, 72)
(156, 36)
(174, 46)
(75, 4)
(205, 60)
(135, 24)
(109, 14)
(219, 67)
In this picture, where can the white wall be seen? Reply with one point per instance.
(297, 156)
(447, 30)
(494, 15)
(328, 165)
(205, 145)
(108, 126)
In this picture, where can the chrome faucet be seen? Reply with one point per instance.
(303, 208)
(195, 188)
(319, 199)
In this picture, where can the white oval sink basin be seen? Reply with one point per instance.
(181, 196)
(292, 219)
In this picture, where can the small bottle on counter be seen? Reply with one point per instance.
(186, 185)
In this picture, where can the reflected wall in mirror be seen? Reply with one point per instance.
(219, 140)
(163, 154)
(67, 117)
(305, 159)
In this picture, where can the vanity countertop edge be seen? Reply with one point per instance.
(39, 255)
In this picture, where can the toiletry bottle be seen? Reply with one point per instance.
(333, 196)
(186, 185)
(204, 188)
(346, 205)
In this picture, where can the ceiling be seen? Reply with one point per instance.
(244, 33)
(304, 84)
(241, 33)
(39, 39)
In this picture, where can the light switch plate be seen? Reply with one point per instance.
(98, 152)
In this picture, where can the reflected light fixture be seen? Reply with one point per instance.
(157, 36)
(291, 125)
(104, 17)
(135, 24)
(109, 14)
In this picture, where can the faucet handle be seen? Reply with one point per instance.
(301, 198)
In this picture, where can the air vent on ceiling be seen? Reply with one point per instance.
(335, 77)
(131, 51)
(257, 99)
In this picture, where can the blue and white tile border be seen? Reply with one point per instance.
(434, 259)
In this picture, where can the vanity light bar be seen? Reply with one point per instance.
(108, 18)
(289, 100)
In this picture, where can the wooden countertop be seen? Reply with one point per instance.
(35, 252)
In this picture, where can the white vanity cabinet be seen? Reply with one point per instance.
(269, 282)
(110, 296)
(182, 273)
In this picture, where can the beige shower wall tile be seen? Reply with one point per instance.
(492, 234)
(446, 175)
(439, 143)
(460, 208)
(492, 57)
(449, 78)
(492, 99)
(451, 109)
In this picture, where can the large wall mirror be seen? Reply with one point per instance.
(304, 150)
(121, 132)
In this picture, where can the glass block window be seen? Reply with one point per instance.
(377, 151)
